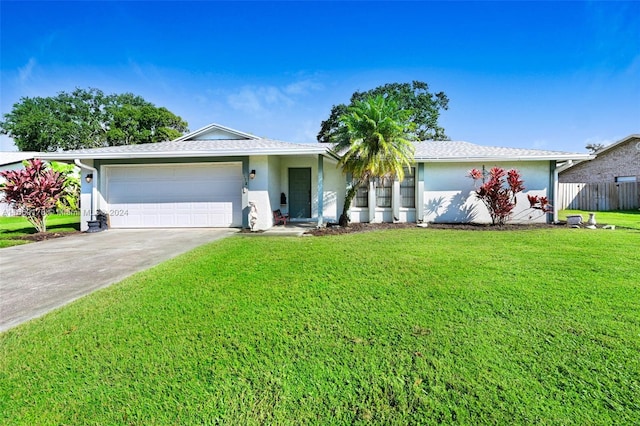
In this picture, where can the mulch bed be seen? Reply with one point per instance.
(41, 236)
(332, 229)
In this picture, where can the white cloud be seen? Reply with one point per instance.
(306, 131)
(302, 87)
(137, 69)
(260, 99)
(24, 73)
(246, 100)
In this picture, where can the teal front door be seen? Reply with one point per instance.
(300, 193)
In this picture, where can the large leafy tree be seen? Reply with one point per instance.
(374, 140)
(88, 119)
(425, 109)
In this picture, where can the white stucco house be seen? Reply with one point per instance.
(209, 177)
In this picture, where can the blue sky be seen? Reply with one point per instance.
(549, 75)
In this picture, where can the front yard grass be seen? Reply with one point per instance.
(622, 218)
(413, 326)
(13, 227)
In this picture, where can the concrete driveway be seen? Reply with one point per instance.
(39, 277)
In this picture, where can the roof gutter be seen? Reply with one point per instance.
(578, 157)
(94, 183)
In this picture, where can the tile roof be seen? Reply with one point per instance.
(195, 148)
(458, 150)
(215, 140)
(632, 137)
(10, 157)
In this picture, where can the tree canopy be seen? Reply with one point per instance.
(594, 147)
(415, 97)
(374, 140)
(88, 119)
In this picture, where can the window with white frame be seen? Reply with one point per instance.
(408, 189)
(621, 179)
(384, 190)
(362, 196)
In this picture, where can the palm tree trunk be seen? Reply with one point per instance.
(351, 192)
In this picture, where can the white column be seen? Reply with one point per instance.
(395, 200)
(372, 201)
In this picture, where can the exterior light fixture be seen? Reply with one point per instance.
(89, 177)
(252, 175)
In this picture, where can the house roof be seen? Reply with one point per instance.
(215, 140)
(210, 141)
(11, 157)
(448, 151)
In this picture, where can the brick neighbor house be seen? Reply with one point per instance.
(618, 162)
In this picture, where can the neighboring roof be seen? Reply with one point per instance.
(603, 150)
(446, 151)
(620, 142)
(10, 157)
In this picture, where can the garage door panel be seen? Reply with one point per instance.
(176, 196)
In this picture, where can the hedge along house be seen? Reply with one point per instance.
(212, 176)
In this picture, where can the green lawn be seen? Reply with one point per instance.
(622, 218)
(413, 326)
(12, 227)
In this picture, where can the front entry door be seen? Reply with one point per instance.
(300, 193)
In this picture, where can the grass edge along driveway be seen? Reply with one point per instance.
(414, 326)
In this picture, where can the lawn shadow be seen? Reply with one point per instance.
(28, 230)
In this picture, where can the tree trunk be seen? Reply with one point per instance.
(351, 192)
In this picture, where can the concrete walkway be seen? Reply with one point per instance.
(38, 277)
(291, 229)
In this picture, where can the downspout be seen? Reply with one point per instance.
(94, 184)
(556, 187)
(320, 190)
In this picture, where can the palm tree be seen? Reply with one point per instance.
(374, 141)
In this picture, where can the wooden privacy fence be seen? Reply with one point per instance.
(599, 196)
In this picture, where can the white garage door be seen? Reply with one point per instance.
(176, 195)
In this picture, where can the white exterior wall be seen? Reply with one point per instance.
(274, 183)
(449, 194)
(259, 189)
(331, 184)
(335, 185)
(272, 179)
(85, 194)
